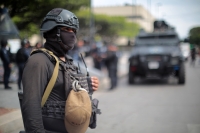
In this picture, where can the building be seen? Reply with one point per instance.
(133, 13)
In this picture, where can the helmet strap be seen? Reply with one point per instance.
(58, 35)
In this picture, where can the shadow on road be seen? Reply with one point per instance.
(156, 82)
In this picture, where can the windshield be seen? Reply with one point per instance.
(157, 40)
(158, 36)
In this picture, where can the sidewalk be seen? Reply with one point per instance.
(10, 113)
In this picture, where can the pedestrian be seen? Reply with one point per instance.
(193, 55)
(59, 28)
(7, 65)
(198, 55)
(96, 56)
(111, 62)
(28, 45)
(21, 57)
(38, 45)
(78, 48)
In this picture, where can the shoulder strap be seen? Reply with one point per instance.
(53, 77)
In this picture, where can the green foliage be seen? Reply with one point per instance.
(29, 30)
(107, 26)
(130, 30)
(194, 36)
(28, 14)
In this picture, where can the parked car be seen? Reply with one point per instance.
(157, 55)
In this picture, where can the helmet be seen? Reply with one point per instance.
(59, 17)
(4, 42)
(24, 41)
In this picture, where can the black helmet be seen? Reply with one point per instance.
(59, 17)
(24, 41)
(4, 42)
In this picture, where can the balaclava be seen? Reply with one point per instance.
(59, 42)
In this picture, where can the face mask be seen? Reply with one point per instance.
(68, 40)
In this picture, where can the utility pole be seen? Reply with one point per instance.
(134, 12)
(91, 28)
(158, 5)
(149, 6)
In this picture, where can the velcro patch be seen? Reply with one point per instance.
(55, 11)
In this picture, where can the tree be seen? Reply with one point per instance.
(194, 36)
(108, 27)
(28, 14)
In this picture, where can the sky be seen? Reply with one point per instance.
(181, 14)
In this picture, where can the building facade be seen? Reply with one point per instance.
(133, 13)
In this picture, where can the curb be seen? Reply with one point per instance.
(11, 121)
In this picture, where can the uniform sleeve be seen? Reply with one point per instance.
(36, 75)
(4, 56)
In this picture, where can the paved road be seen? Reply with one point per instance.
(152, 106)
(149, 106)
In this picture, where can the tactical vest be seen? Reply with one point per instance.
(56, 109)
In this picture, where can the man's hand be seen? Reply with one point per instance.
(10, 65)
(95, 83)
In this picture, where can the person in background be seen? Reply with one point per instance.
(75, 52)
(111, 62)
(96, 56)
(199, 55)
(5, 57)
(38, 45)
(28, 45)
(21, 57)
(192, 54)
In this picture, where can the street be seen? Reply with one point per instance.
(149, 106)
(69, 53)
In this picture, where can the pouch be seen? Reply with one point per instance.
(95, 111)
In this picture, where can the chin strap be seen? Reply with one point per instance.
(58, 35)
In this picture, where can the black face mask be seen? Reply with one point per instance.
(60, 49)
(68, 40)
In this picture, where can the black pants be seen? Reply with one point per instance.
(112, 71)
(20, 71)
(6, 74)
(97, 64)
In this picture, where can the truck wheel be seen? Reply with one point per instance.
(131, 78)
(181, 75)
